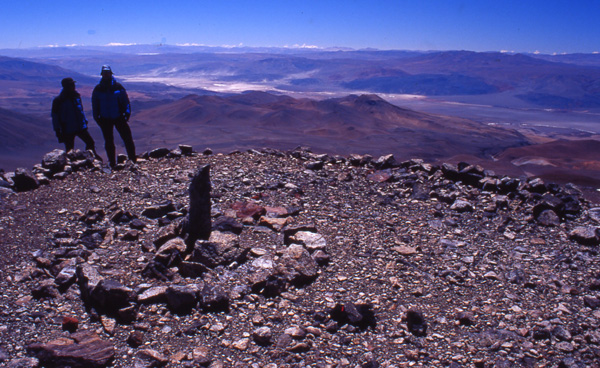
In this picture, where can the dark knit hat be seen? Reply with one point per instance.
(67, 82)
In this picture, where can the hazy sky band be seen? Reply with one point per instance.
(548, 26)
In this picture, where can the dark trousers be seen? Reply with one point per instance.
(122, 127)
(69, 140)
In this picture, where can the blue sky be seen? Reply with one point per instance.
(548, 26)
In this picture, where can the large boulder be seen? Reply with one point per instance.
(171, 253)
(297, 265)
(228, 224)
(415, 321)
(585, 235)
(222, 249)
(385, 162)
(159, 152)
(312, 241)
(88, 278)
(24, 180)
(181, 299)
(213, 298)
(264, 279)
(55, 161)
(110, 296)
(155, 294)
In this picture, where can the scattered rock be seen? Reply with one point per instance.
(393, 235)
(297, 265)
(241, 344)
(136, 338)
(181, 299)
(159, 210)
(156, 294)
(92, 216)
(109, 296)
(228, 224)
(45, 290)
(462, 206)
(24, 363)
(213, 298)
(276, 224)
(385, 162)
(415, 321)
(465, 318)
(548, 218)
(359, 315)
(299, 333)
(314, 165)
(151, 358)
(222, 249)
(594, 214)
(248, 210)
(312, 241)
(24, 180)
(81, 349)
(70, 324)
(380, 176)
(159, 152)
(585, 235)
(186, 150)
(55, 161)
(262, 335)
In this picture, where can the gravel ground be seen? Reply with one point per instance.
(411, 268)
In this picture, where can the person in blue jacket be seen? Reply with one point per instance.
(68, 118)
(111, 109)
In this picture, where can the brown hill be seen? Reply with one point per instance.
(577, 161)
(364, 123)
(22, 137)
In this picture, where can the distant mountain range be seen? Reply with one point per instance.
(548, 81)
(20, 70)
(321, 98)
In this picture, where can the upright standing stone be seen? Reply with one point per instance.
(198, 222)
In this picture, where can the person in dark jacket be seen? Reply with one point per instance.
(68, 118)
(112, 110)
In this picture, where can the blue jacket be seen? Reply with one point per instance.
(67, 113)
(110, 101)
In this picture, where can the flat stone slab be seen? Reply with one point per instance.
(82, 349)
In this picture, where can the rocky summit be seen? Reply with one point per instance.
(266, 258)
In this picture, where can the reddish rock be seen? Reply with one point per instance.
(248, 209)
(70, 324)
(81, 350)
(380, 176)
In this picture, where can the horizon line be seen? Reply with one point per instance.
(287, 47)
